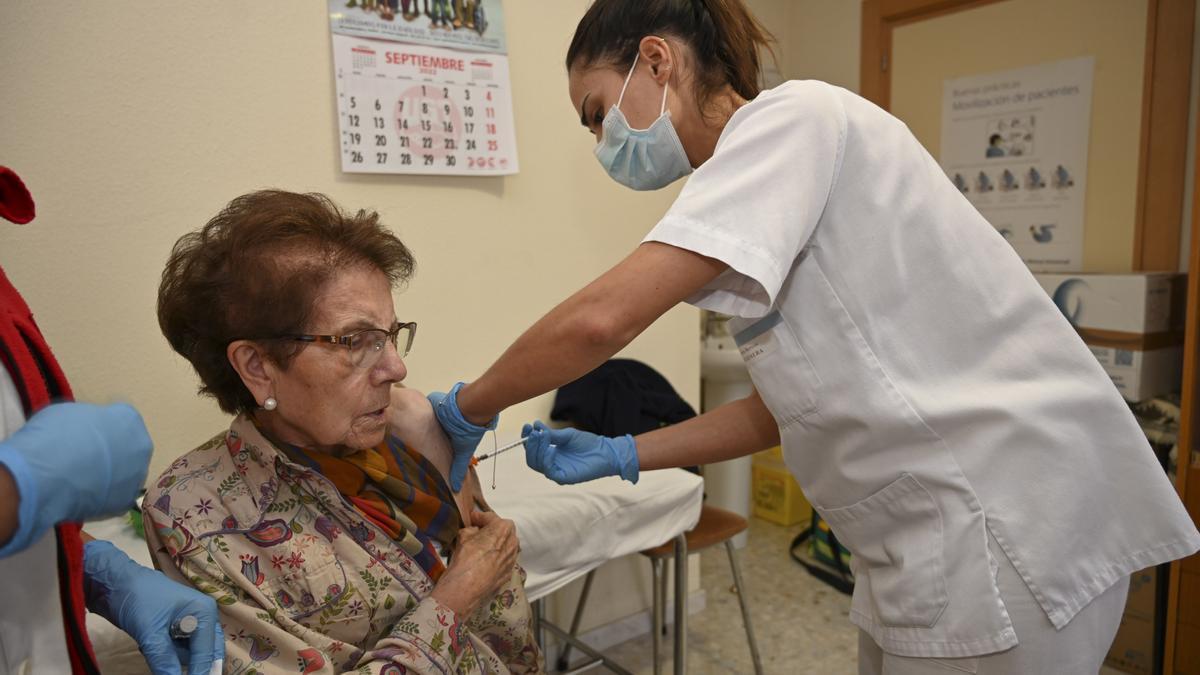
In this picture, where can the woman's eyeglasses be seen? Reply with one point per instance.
(367, 346)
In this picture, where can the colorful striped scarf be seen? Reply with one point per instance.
(398, 490)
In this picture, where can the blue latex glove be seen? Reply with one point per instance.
(72, 462)
(568, 456)
(144, 603)
(464, 436)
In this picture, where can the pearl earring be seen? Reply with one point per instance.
(270, 404)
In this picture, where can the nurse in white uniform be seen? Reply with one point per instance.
(937, 409)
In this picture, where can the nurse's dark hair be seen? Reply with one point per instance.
(725, 39)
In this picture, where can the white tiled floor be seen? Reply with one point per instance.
(801, 624)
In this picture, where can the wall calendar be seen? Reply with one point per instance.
(437, 103)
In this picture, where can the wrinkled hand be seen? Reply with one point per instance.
(568, 456)
(145, 604)
(482, 563)
(73, 462)
(464, 436)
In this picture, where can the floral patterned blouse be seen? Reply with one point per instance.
(307, 585)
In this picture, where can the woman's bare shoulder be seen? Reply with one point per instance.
(411, 419)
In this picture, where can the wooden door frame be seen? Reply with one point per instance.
(1161, 159)
(1189, 423)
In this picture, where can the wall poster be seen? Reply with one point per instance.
(1015, 143)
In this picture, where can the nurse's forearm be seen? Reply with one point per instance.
(733, 430)
(589, 327)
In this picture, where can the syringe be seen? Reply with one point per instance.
(497, 451)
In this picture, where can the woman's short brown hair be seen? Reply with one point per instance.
(255, 271)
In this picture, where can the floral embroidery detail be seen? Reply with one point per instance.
(261, 648)
(203, 507)
(277, 561)
(284, 599)
(295, 561)
(310, 661)
(270, 533)
(355, 608)
(393, 669)
(326, 527)
(250, 569)
(360, 532)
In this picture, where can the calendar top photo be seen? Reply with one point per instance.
(472, 25)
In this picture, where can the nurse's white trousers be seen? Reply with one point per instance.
(1077, 649)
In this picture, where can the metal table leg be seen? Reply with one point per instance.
(680, 604)
(564, 657)
(539, 615)
(583, 647)
(745, 604)
(657, 565)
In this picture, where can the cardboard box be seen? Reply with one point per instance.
(777, 496)
(772, 454)
(1141, 374)
(1132, 324)
(1133, 649)
(1123, 303)
(1143, 594)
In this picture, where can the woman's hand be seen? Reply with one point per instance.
(464, 435)
(146, 604)
(568, 456)
(483, 562)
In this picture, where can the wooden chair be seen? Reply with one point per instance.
(716, 526)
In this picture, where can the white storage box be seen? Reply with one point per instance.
(1141, 375)
(1124, 303)
(1131, 322)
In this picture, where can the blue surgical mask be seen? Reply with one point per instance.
(642, 159)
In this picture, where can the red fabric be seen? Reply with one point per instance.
(16, 204)
(40, 380)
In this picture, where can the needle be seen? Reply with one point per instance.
(498, 451)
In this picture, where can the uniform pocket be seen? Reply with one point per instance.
(896, 536)
(780, 368)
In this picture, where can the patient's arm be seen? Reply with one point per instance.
(411, 419)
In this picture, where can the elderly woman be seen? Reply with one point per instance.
(321, 521)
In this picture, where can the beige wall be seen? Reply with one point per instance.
(1019, 33)
(824, 40)
(135, 122)
(816, 39)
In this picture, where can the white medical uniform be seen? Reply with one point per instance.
(32, 637)
(928, 392)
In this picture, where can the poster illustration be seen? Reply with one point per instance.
(1015, 143)
(472, 25)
